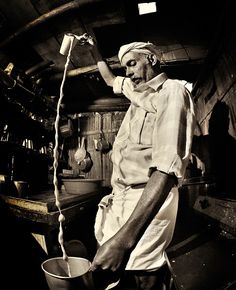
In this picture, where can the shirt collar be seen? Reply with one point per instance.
(154, 83)
(157, 81)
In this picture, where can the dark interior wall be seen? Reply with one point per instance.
(215, 100)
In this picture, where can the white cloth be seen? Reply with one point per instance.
(113, 212)
(141, 47)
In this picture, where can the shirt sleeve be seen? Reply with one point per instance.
(144, 98)
(123, 85)
(118, 85)
(173, 131)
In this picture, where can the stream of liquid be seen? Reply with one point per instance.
(67, 45)
(61, 217)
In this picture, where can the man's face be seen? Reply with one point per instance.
(138, 67)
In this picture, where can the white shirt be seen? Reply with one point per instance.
(156, 131)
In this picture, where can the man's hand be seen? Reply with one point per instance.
(110, 256)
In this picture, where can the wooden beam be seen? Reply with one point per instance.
(80, 71)
(45, 17)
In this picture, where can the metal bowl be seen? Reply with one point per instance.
(81, 185)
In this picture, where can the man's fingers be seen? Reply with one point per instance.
(93, 267)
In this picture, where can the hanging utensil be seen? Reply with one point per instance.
(103, 145)
(85, 164)
(80, 153)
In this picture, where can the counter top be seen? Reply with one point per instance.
(45, 201)
(41, 207)
(38, 215)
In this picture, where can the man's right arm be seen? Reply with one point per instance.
(103, 67)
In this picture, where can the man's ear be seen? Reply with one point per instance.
(152, 58)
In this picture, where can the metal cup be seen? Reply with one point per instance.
(22, 188)
(68, 43)
(57, 273)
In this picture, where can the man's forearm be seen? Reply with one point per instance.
(103, 67)
(106, 72)
(152, 198)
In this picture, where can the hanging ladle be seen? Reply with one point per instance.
(80, 153)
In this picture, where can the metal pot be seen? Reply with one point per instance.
(102, 144)
(193, 187)
(86, 164)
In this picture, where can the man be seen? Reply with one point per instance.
(135, 223)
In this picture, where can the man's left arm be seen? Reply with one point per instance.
(114, 253)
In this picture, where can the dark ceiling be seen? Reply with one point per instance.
(32, 31)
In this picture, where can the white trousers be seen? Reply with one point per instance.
(149, 253)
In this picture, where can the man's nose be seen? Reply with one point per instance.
(129, 72)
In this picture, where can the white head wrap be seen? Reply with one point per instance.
(140, 47)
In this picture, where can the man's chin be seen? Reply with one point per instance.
(137, 83)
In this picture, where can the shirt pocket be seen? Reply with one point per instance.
(141, 127)
(136, 125)
(146, 133)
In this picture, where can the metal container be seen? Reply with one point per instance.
(81, 185)
(193, 187)
(56, 271)
(21, 188)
